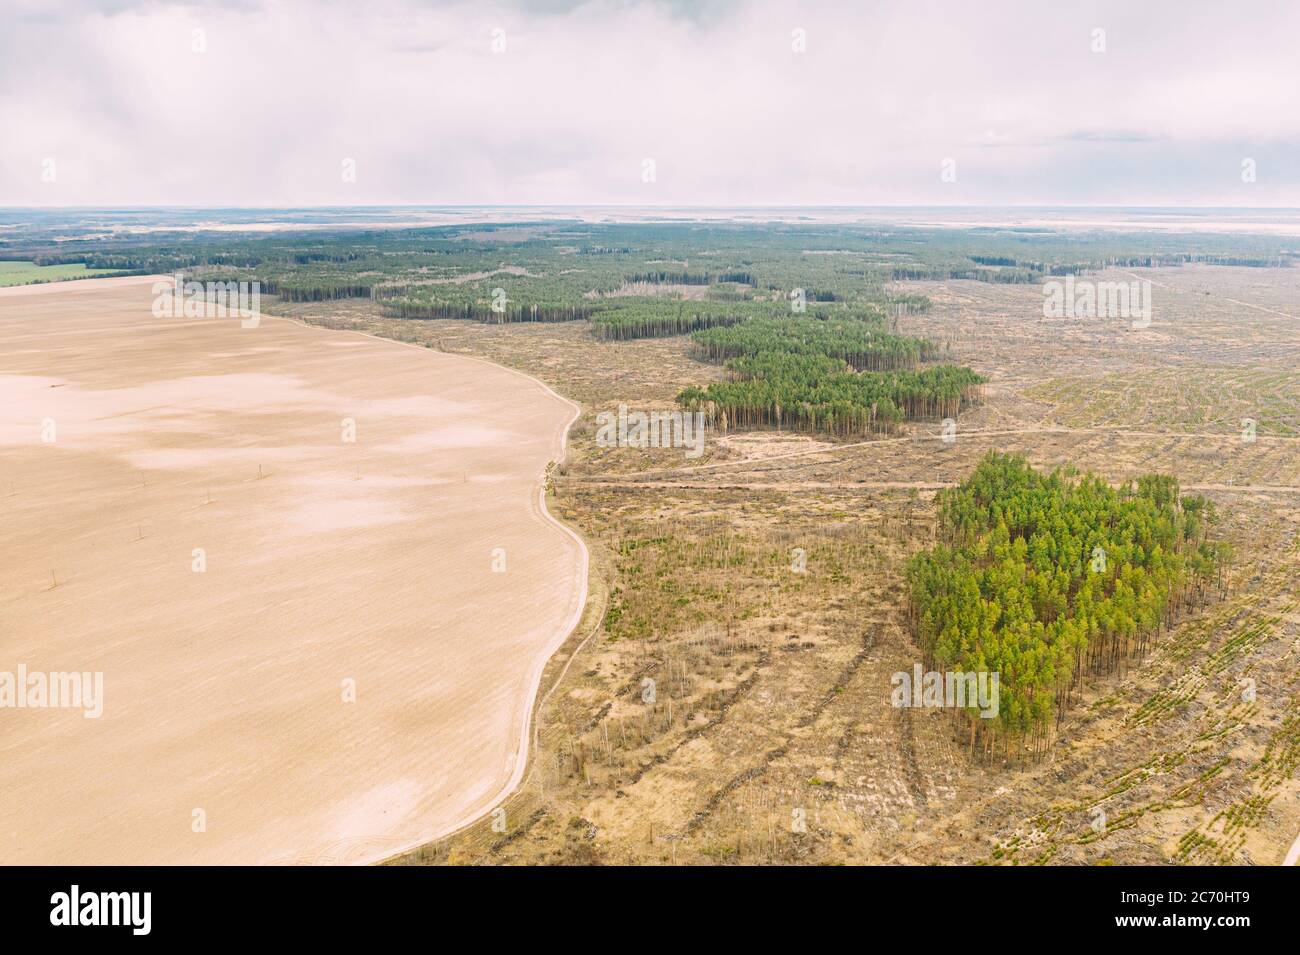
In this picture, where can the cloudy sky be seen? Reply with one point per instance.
(736, 102)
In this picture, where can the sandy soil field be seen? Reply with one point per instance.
(314, 650)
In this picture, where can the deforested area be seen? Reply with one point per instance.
(886, 482)
(567, 443)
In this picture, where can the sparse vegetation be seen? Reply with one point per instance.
(772, 685)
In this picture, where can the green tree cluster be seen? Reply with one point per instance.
(1047, 578)
(811, 392)
(844, 374)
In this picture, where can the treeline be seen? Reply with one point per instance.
(1006, 270)
(1045, 578)
(80, 258)
(739, 278)
(129, 263)
(1168, 261)
(484, 312)
(1281, 262)
(390, 290)
(311, 289)
(306, 258)
(1017, 276)
(654, 319)
(663, 277)
(842, 376)
(862, 343)
(809, 392)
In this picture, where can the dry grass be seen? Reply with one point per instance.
(778, 681)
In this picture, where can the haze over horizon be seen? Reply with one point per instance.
(745, 103)
(971, 206)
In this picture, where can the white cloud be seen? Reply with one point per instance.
(584, 92)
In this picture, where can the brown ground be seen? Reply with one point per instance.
(731, 709)
(771, 687)
(326, 562)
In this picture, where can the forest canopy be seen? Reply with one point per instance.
(845, 375)
(1047, 578)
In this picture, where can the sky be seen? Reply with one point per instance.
(641, 102)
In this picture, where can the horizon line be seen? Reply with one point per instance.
(651, 207)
